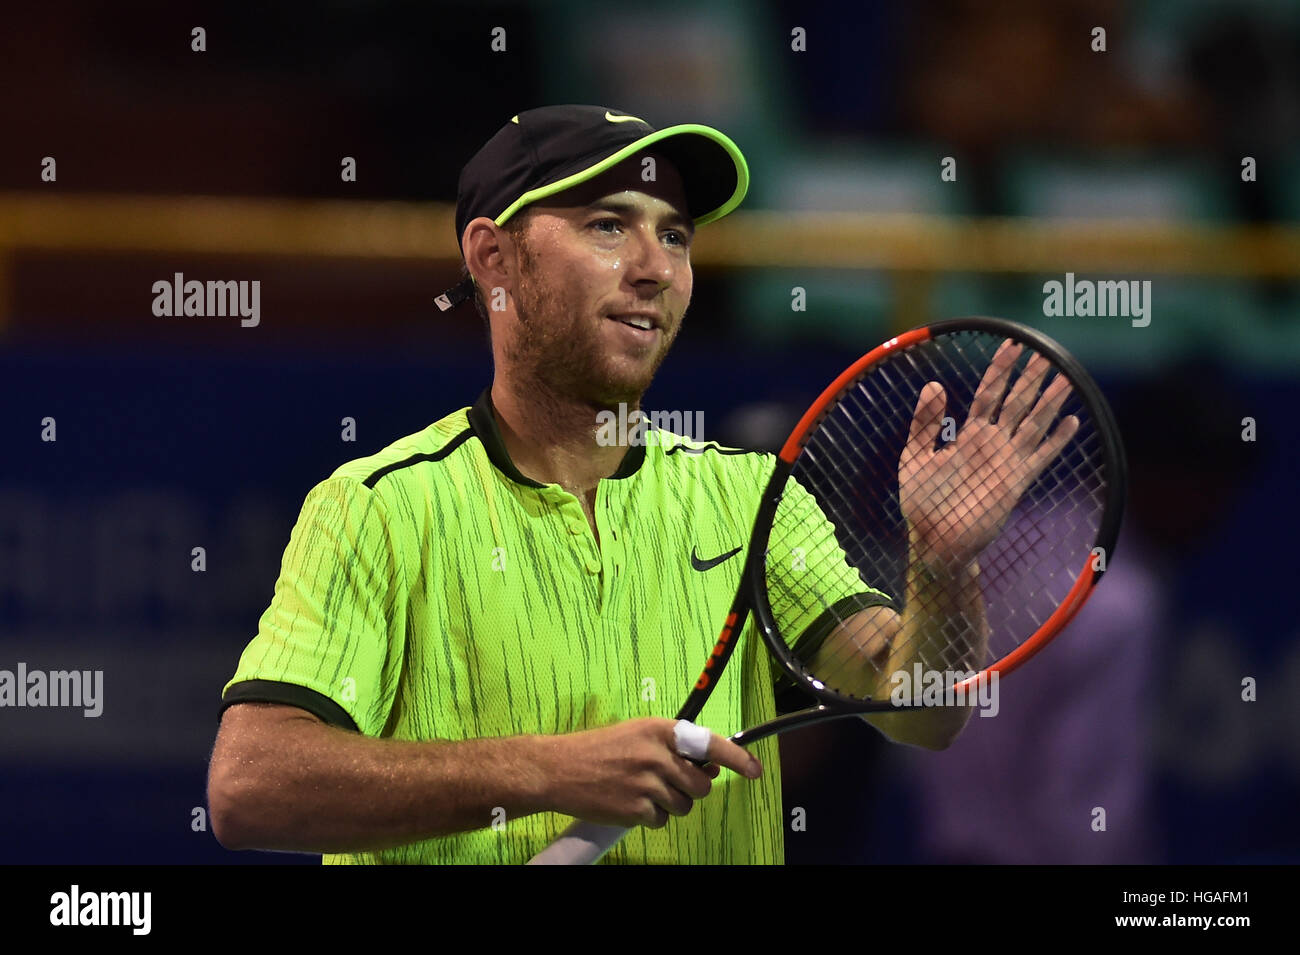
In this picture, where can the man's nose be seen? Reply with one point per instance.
(650, 261)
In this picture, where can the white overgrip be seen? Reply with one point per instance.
(583, 843)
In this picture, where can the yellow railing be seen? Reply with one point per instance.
(916, 246)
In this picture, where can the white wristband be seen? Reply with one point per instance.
(692, 740)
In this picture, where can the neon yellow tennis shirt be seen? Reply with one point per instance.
(432, 591)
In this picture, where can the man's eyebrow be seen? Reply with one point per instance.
(673, 218)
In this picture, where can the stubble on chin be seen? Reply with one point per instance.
(555, 350)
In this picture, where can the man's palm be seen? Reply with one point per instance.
(956, 499)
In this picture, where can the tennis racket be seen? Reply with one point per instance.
(917, 541)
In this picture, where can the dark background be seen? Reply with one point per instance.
(183, 432)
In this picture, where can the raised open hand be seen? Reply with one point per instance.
(956, 499)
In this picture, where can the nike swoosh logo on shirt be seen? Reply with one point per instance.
(699, 564)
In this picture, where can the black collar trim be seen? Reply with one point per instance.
(482, 418)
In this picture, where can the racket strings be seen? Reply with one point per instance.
(855, 539)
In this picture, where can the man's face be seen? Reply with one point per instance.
(595, 262)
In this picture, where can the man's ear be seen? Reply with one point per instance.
(486, 254)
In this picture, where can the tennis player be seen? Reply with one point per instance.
(477, 632)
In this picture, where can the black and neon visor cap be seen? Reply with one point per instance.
(544, 151)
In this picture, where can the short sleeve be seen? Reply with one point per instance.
(332, 639)
(810, 580)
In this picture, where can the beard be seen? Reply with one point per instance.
(558, 346)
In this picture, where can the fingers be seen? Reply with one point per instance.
(667, 784)
(1052, 446)
(726, 753)
(994, 383)
(631, 774)
(926, 421)
(1032, 429)
(689, 779)
(1025, 391)
(651, 815)
(680, 782)
(670, 800)
(719, 750)
(1025, 413)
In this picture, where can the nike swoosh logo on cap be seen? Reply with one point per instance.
(699, 564)
(624, 119)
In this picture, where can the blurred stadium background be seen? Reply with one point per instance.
(182, 432)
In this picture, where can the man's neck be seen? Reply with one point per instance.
(552, 439)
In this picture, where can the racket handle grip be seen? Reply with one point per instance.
(583, 843)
